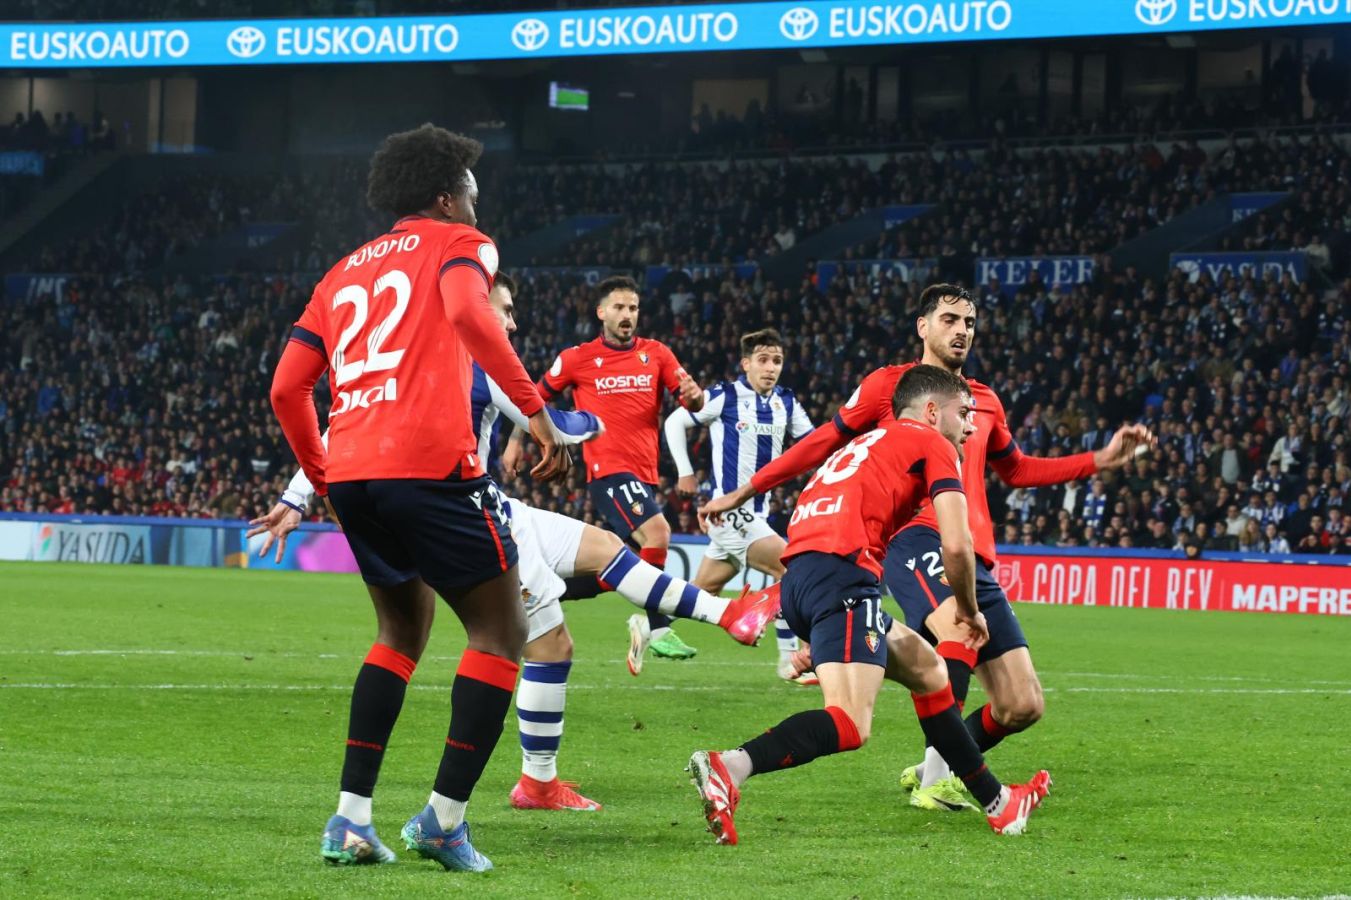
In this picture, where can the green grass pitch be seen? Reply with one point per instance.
(166, 732)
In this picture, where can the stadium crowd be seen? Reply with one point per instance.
(144, 397)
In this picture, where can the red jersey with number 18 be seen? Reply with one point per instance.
(869, 488)
(621, 384)
(399, 371)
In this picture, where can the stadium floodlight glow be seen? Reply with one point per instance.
(787, 24)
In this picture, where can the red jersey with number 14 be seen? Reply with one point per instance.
(622, 385)
(400, 373)
(869, 488)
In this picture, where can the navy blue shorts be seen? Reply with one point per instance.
(449, 533)
(914, 575)
(624, 501)
(836, 606)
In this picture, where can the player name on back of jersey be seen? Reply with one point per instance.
(405, 243)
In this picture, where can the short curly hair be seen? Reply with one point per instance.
(411, 167)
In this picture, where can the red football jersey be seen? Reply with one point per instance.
(622, 385)
(871, 404)
(869, 488)
(399, 370)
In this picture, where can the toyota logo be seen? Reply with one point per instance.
(246, 42)
(800, 23)
(530, 34)
(1155, 12)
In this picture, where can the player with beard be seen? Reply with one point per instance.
(914, 572)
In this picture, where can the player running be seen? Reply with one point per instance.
(749, 421)
(914, 569)
(832, 598)
(619, 377)
(392, 324)
(552, 547)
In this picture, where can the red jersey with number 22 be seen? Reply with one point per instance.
(400, 373)
(869, 488)
(622, 385)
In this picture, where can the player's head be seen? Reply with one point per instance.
(426, 170)
(938, 398)
(946, 325)
(762, 358)
(617, 308)
(503, 299)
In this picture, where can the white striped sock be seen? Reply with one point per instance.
(540, 698)
(646, 586)
(787, 640)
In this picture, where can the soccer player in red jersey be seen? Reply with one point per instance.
(914, 571)
(831, 597)
(619, 377)
(393, 324)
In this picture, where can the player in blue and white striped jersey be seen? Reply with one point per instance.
(749, 421)
(551, 547)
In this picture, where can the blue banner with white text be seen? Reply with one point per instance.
(795, 24)
(908, 270)
(1273, 264)
(1015, 272)
(1251, 203)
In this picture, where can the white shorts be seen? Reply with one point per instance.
(547, 544)
(739, 529)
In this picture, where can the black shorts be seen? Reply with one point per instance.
(914, 574)
(450, 533)
(624, 502)
(836, 606)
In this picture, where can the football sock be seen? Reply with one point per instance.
(656, 621)
(960, 660)
(479, 699)
(582, 587)
(645, 585)
(945, 732)
(377, 698)
(801, 738)
(986, 731)
(738, 763)
(787, 640)
(449, 813)
(539, 709)
(354, 808)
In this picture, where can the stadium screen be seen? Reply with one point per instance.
(569, 97)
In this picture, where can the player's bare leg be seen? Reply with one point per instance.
(1016, 702)
(911, 661)
(540, 702)
(494, 620)
(404, 614)
(850, 691)
(602, 554)
(766, 555)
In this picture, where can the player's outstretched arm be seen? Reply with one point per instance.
(292, 396)
(280, 521)
(574, 426)
(803, 456)
(959, 562)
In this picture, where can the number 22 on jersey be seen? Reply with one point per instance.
(378, 358)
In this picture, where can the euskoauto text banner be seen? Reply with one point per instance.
(650, 29)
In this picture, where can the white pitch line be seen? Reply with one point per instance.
(617, 685)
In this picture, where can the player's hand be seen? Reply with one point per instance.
(280, 521)
(801, 660)
(1126, 444)
(512, 457)
(978, 633)
(711, 512)
(686, 486)
(691, 395)
(555, 461)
